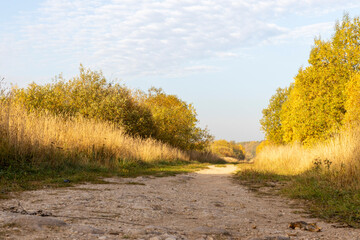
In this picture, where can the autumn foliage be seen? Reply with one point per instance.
(156, 114)
(87, 122)
(224, 148)
(313, 127)
(175, 120)
(324, 96)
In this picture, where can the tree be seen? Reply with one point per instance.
(352, 104)
(175, 121)
(90, 96)
(239, 151)
(315, 108)
(271, 122)
(224, 148)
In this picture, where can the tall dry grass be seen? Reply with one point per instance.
(33, 138)
(338, 158)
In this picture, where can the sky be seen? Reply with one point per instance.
(226, 57)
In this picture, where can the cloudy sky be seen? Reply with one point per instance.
(227, 57)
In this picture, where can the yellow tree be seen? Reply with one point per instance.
(352, 104)
(224, 148)
(175, 120)
(239, 150)
(315, 109)
(262, 145)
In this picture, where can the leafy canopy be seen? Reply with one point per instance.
(155, 114)
(315, 107)
(224, 148)
(90, 96)
(271, 122)
(175, 121)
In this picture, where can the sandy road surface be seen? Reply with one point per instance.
(205, 205)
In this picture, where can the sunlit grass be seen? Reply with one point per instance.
(338, 158)
(39, 148)
(42, 137)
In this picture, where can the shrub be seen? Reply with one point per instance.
(175, 121)
(89, 95)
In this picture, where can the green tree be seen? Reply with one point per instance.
(91, 96)
(271, 121)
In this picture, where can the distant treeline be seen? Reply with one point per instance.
(325, 96)
(239, 150)
(224, 148)
(250, 148)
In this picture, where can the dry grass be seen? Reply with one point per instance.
(338, 158)
(326, 175)
(43, 138)
(287, 159)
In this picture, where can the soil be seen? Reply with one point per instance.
(206, 205)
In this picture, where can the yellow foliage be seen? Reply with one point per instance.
(352, 104)
(271, 122)
(175, 121)
(156, 114)
(228, 149)
(315, 108)
(262, 145)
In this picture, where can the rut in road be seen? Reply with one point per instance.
(208, 205)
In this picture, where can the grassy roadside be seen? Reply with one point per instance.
(38, 149)
(37, 177)
(322, 199)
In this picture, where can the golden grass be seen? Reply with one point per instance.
(338, 158)
(284, 159)
(42, 137)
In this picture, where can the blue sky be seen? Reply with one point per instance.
(227, 57)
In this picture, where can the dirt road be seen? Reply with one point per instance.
(204, 205)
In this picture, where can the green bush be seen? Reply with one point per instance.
(90, 96)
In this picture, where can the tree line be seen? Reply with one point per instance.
(225, 148)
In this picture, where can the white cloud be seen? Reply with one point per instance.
(146, 37)
(304, 33)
